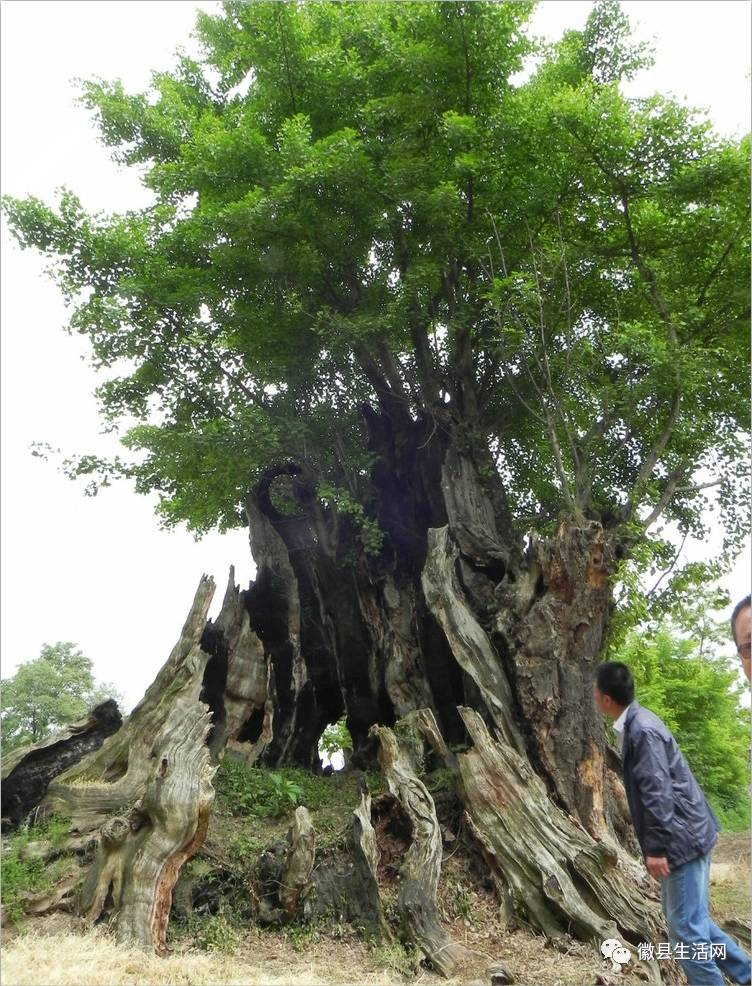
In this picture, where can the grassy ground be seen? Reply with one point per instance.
(227, 948)
(730, 885)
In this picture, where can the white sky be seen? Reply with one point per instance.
(98, 571)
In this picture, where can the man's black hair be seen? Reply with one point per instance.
(615, 680)
(747, 601)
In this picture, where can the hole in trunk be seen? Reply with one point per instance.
(251, 728)
(215, 675)
(335, 746)
(394, 835)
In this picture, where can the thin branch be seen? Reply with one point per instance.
(669, 569)
(667, 495)
(718, 267)
(546, 365)
(661, 442)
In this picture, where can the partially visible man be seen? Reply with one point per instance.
(741, 630)
(675, 826)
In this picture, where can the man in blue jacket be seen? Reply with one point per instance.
(676, 828)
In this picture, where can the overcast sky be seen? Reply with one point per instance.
(99, 571)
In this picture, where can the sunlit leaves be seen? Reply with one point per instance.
(338, 183)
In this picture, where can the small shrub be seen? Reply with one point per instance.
(301, 936)
(217, 933)
(398, 957)
(24, 873)
(263, 793)
(245, 848)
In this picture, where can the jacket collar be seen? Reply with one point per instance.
(632, 712)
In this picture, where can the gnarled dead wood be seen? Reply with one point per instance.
(284, 872)
(27, 772)
(468, 640)
(140, 854)
(421, 867)
(109, 781)
(297, 873)
(147, 792)
(559, 877)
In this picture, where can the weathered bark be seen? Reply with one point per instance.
(421, 867)
(115, 777)
(344, 885)
(26, 772)
(140, 856)
(145, 794)
(559, 877)
(284, 873)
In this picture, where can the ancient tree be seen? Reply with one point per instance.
(453, 342)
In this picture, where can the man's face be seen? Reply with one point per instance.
(605, 703)
(743, 628)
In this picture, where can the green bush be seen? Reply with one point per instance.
(23, 873)
(218, 933)
(264, 793)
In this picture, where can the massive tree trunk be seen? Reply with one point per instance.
(486, 642)
(496, 638)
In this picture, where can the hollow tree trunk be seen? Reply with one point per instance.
(456, 613)
(494, 643)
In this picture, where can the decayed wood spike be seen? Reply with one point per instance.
(283, 872)
(140, 855)
(552, 866)
(366, 854)
(468, 640)
(115, 775)
(420, 871)
(239, 687)
(297, 873)
(364, 835)
(26, 772)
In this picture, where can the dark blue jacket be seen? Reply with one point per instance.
(670, 813)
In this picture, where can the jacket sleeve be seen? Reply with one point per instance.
(652, 778)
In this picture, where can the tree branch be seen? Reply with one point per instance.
(671, 487)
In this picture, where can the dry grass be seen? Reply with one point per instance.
(54, 951)
(97, 960)
(730, 888)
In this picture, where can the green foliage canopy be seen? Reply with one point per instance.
(365, 201)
